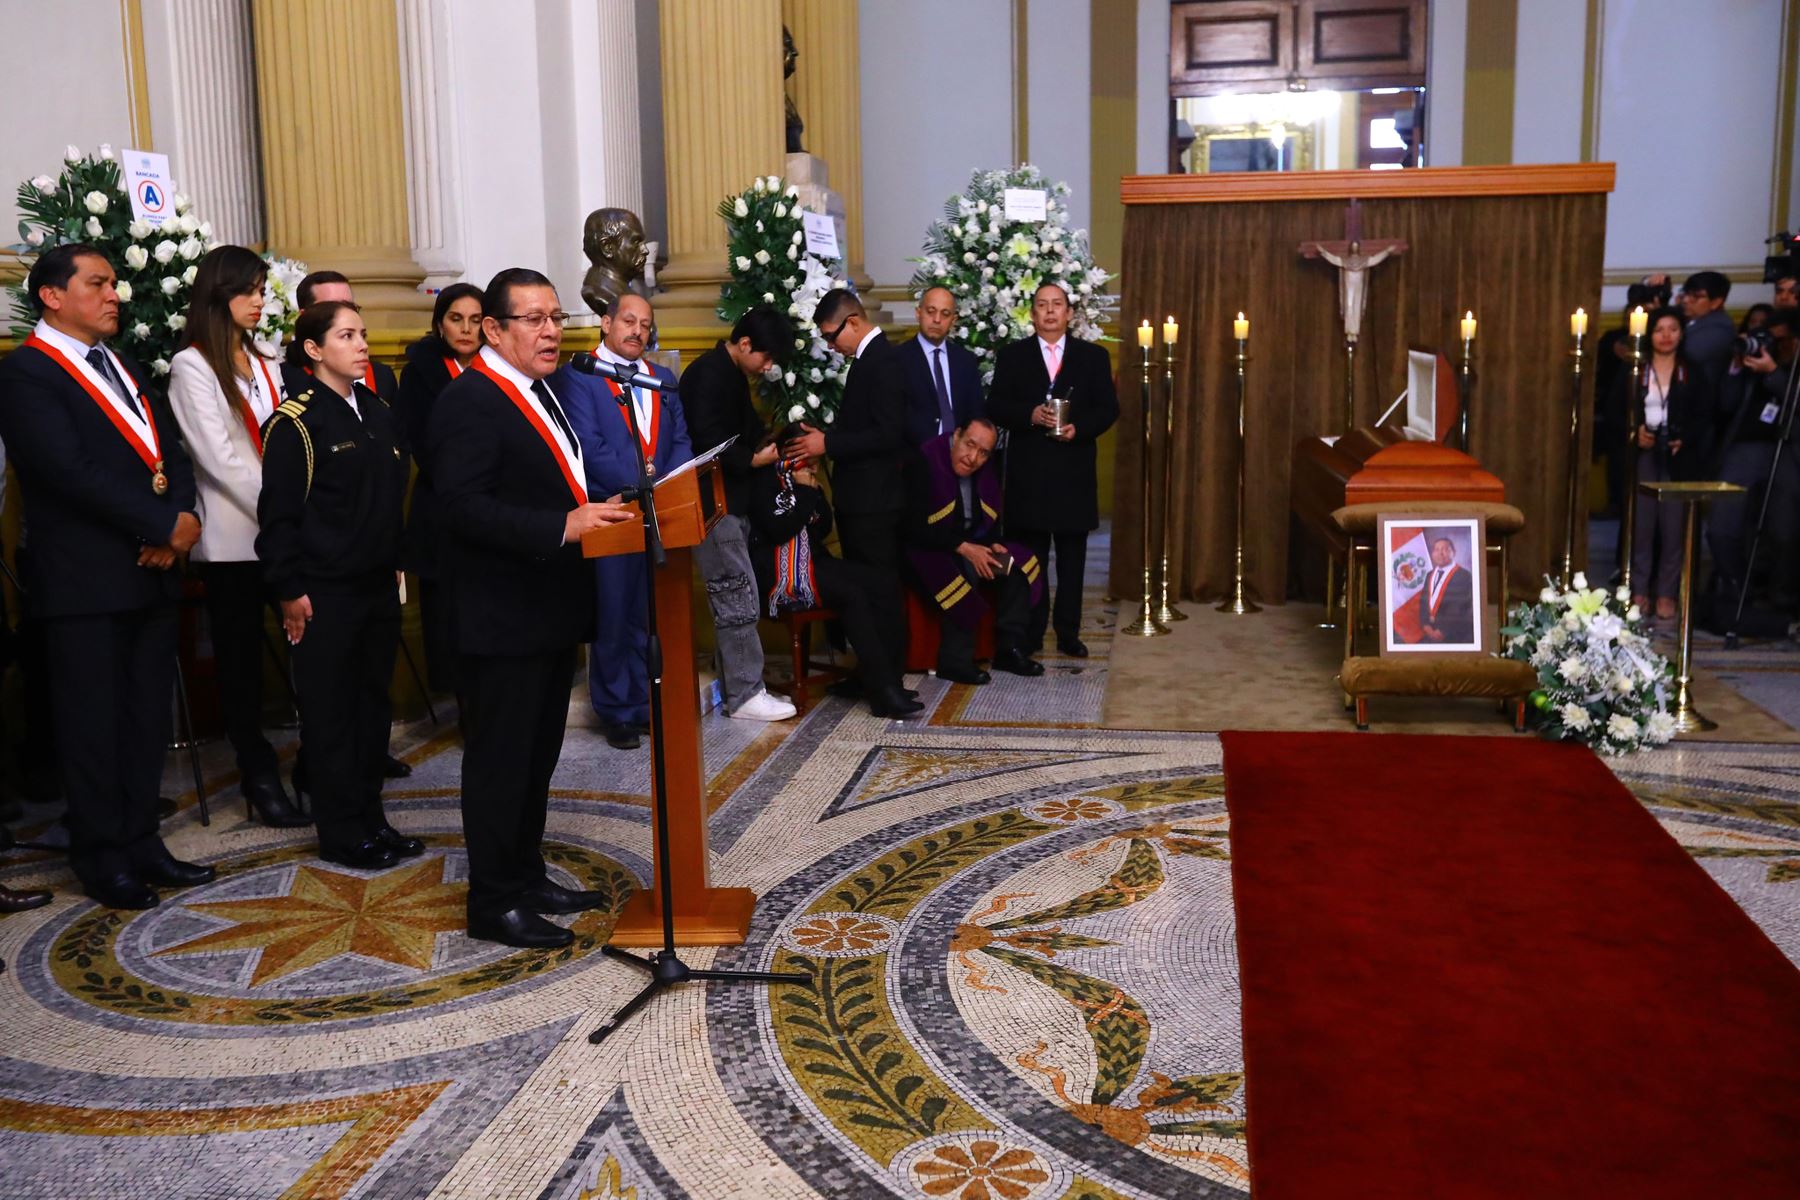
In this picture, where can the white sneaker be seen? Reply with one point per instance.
(764, 707)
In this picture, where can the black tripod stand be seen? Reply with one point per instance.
(664, 966)
(1786, 427)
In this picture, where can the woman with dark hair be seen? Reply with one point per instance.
(334, 485)
(222, 390)
(1672, 417)
(431, 363)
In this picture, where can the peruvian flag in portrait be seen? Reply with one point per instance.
(1409, 560)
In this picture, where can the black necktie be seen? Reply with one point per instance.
(98, 360)
(946, 411)
(541, 390)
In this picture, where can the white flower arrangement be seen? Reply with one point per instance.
(994, 266)
(766, 251)
(1599, 680)
(279, 309)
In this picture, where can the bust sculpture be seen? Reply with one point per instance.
(795, 126)
(613, 240)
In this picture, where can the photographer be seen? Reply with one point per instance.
(1709, 335)
(1756, 403)
(1672, 418)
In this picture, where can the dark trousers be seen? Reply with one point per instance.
(437, 623)
(342, 668)
(514, 710)
(618, 680)
(872, 613)
(873, 541)
(1011, 597)
(1732, 522)
(236, 601)
(112, 677)
(1064, 614)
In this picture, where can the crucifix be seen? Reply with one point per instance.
(1354, 258)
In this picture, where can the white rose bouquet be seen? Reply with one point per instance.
(1599, 681)
(993, 266)
(769, 264)
(86, 202)
(279, 308)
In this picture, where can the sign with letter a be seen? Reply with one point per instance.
(147, 183)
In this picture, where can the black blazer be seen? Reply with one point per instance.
(1691, 415)
(866, 441)
(1052, 485)
(295, 380)
(715, 399)
(89, 508)
(962, 372)
(424, 379)
(516, 590)
(1456, 610)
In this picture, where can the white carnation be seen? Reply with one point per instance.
(1621, 728)
(1661, 727)
(170, 285)
(1572, 669)
(740, 208)
(95, 202)
(1574, 717)
(124, 290)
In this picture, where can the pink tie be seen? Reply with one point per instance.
(1055, 359)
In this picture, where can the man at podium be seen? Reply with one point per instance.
(513, 487)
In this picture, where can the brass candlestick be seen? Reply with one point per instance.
(1568, 557)
(1237, 603)
(1166, 612)
(1464, 386)
(1631, 452)
(1349, 383)
(1146, 624)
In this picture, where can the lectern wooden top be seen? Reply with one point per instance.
(687, 507)
(1233, 187)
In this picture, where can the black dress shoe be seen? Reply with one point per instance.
(517, 927)
(399, 843)
(892, 702)
(367, 855)
(23, 900)
(1074, 647)
(910, 693)
(165, 870)
(1016, 662)
(846, 689)
(395, 769)
(123, 891)
(268, 801)
(969, 675)
(621, 737)
(549, 897)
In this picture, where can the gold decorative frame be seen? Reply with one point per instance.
(1200, 153)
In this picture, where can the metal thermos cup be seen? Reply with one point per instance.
(1059, 408)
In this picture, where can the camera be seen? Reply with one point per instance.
(1784, 256)
(1753, 343)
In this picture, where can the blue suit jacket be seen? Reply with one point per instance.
(963, 373)
(599, 423)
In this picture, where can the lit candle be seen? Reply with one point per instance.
(1578, 323)
(1144, 334)
(1468, 327)
(1240, 328)
(1640, 321)
(1170, 329)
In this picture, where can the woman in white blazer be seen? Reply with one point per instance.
(222, 392)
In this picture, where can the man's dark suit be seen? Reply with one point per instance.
(1052, 488)
(1706, 343)
(523, 602)
(1455, 615)
(962, 378)
(109, 625)
(865, 445)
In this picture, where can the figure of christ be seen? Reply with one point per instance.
(1353, 258)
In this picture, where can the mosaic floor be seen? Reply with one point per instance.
(1017, 930)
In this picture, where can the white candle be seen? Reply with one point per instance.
(1640, 321)
(1170, 329)
(1240, 328)
(1578, 323)
(1145, 334)
(1468, 327)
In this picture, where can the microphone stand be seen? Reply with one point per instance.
(664, 966)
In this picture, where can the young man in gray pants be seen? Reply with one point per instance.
(715, 394)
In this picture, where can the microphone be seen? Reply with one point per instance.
(589, 364)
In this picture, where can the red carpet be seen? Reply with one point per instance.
(1475, 967)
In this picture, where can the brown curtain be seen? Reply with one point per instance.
(1521, 263)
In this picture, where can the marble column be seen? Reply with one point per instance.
(334, 148)
(202, 75)
(433, 158)
(723, 122)
(826, 87)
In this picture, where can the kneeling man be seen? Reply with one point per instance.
(958, 558)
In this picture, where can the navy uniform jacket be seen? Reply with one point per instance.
(515, 588)
(89, 508)
(334, 484)
(962, 375)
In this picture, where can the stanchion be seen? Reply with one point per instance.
(1578, 327)
(1640, 321)
(1166, 612)
(1238, 603)
(1692, 494)
(1146, 624)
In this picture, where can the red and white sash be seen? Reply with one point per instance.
(647, 436)
(529, 411)
(138, 430)
(450, 364)
(1437, 596)
(248, 409)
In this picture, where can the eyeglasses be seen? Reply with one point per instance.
(535, 320)
(832, 337)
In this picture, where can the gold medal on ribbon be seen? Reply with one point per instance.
(159, 482)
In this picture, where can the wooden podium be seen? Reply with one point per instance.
(687, 506)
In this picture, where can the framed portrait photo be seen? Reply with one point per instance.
(1432, 575)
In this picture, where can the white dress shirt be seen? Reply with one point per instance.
(76, 351)
(643, 400)
(867, 338)
(571, 448)
(1053, 352)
